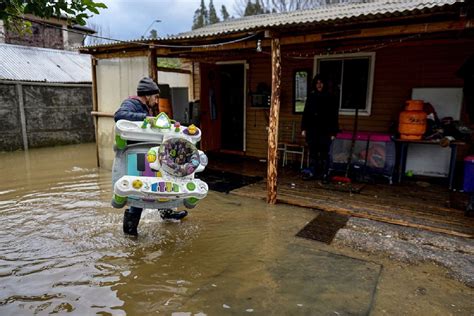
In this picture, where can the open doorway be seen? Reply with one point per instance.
(232, 84)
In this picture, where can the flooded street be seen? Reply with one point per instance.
(62, 250)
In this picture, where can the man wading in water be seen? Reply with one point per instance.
(139, 108)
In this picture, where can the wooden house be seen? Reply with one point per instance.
(250, 74)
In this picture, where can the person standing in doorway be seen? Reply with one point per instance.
(139, 108)
(319, 125)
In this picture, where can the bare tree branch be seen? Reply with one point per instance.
(285, 5)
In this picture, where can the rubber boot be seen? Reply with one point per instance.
(170, 214)
(130, 223)
(308, 173)
(470, 207)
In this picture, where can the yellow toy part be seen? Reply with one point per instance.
(151, 156)
(192, 129)
(137, 184)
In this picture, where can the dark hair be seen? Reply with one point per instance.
(319, 77)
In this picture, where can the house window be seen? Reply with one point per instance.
(350, 78)
(300, 90)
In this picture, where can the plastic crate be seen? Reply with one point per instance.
(469, 174)
(373, 153)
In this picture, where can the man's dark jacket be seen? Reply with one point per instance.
(132, 109)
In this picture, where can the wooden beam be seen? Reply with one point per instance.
(95, 107)
(356, 33)
(152, 65)
(273, 123)
(102, 114)
(193, 73)
(120, 54)
(126, 52)
(175, 70)
(422, 28)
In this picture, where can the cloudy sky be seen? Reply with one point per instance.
(130, 19)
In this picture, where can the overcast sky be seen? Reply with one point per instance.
(129, 19)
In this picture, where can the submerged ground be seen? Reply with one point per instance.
(62, 250)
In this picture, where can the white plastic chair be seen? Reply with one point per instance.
(288, 144)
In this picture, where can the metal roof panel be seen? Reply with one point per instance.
(325, 13)
(25, 63)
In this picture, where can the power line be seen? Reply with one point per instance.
(151, 45)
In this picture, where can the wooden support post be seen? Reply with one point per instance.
(95, 107)
(153, 65)
(193, 72)
(273, 123)
(21, 110)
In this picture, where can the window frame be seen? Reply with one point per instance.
(308, 87)
(370, 82)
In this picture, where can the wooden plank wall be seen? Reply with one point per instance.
(257, 118)
(398, 69)
(196, 88)
(260, 70)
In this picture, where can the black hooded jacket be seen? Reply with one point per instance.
(320, 116)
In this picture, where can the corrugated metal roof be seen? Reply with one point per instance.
(25, 63)
(340, 13)
(326, 13)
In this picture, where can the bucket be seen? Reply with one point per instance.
(164, 105)
(469, 174)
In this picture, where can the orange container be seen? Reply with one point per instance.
(412, 122)
(164, 105)
(414, 105)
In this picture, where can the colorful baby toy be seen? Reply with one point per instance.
(155, 162)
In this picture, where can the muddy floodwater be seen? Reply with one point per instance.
(62, 251)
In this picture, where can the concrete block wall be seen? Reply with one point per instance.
(54, 115)
(10, 123)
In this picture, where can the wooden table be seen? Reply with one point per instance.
(404, 150)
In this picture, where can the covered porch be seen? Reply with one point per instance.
(414, 203)
(247, 73)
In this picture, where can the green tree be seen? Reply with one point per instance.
(77, 11)
(201, 16)
(258, 7)
(224, 13)
(249, 8)
(169, 63)
(153, 34)
(254, 8)
(213, 18)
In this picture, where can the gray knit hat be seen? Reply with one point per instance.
(147, 86)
